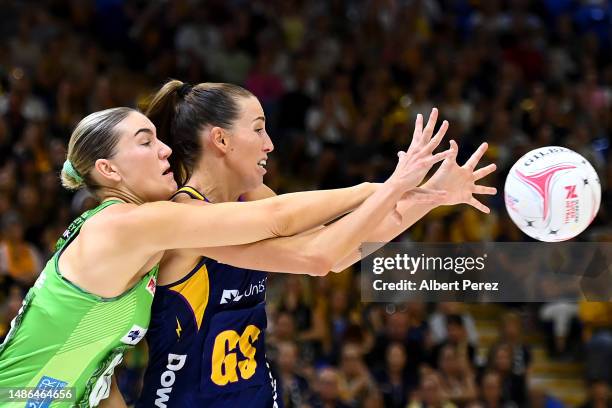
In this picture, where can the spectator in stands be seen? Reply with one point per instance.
(9, 309)
(394, 381)
(456, 376)
(19, 260)
(327, 390)
(294, 388)
(397, 330)
(501, 362)
(596, 318)
(492, 394)
(430, 394)
(281, 330)
(457, 338)
(339, 319)
(511, 333)
(355, 381)
(599, 395)
(438, 322)
(293, 301)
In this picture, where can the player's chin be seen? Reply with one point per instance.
(163, 192)
(172, 186)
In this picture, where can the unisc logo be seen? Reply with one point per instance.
(234, 295)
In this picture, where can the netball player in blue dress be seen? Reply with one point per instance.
(206, 338)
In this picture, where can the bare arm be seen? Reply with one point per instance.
(158, 226)
(313, 252)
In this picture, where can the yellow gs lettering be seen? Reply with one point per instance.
(225, 364)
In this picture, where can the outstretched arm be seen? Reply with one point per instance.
(459, 183)
(153, 227)
(313, 252)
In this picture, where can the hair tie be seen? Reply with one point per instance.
(69, 169)
(184, 89)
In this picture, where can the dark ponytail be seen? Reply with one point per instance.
(180, 111)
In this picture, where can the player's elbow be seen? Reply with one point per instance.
(281, 217)
(319, 264)
(337, 268)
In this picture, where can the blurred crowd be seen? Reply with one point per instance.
(341, 83)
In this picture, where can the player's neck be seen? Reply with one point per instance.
(215, 182)
(110, 193)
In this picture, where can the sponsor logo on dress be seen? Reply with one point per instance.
(234, 295)
(168, 377)
(230, 295)
(45, 386)
(135, 334)
(151, 285)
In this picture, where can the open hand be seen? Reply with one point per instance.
(414, 163)
(459, 182)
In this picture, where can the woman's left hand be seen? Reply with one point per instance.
(459, 182)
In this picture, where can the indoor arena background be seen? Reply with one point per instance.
(341, 83)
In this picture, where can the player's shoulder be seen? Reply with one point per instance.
(184, 198)
(112, 221)
(259, 193)
(110, 214)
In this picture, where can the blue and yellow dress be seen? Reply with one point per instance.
(206, 339)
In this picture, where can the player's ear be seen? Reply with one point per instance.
(107, 170)
(219, 138)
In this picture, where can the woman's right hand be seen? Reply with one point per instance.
(413, 164)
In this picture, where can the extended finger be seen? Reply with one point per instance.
(435, 141)
(455, 148)
(484, 172)
(452, 158)
(418, 129)
(473, 161)
(479, 206)
(431, 124)
(485, 190)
